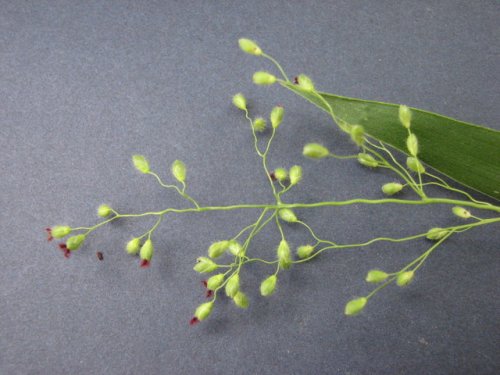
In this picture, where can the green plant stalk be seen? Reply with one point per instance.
(423, 202)
(427, 201)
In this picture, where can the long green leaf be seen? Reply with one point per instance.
(467, 153)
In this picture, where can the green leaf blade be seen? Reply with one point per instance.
(467, 153)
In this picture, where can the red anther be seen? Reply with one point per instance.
(296, 80)
(144, 263)
(204, 282)
(272, 175)
(210, 293)
(194, 321)
(49, 234)
(65, 250)
(99, 255)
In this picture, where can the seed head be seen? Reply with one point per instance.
(287, 215)
(133, 246)
(376, 276)
(358, 134)
(233, 285)
(259, 124)
(412, 144)
(295, 174)
(178, 170)
(305, 251)
(355, 306)
(461, 212)
(305, 82)
(276, 116)
(268, 286)
(436, 234)
(315, 151)
(280, 174)
(405, 116)
(235, 248)
(140, 163)
(205, 265)
(415, 165)
(73, 243)
(241, 300)
(263, 78)
(60, 231)
(204, 310)
(217, 249)
(283, 253)
(147, 250)
(405, 278)
(392, 188)
(104, 210)
(240, 101)
(249, 46)
(367, 160)
(215, 281)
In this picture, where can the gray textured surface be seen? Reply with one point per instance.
(86, 84)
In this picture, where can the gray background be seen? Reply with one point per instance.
(85, 84)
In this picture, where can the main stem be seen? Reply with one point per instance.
(426, 201)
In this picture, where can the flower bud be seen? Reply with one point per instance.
(358, 134)
(392, 188)
(376, 276)
(405, 278)
(287, 215)
(233, 285)
(461, 212)
(436, 234)
(305, 82)
(412, 144)
(367, 160)
(295, 174)
(235, 248)
(249, 46)
(259, 124)
(179, 170)
(205, 265)
(355, 306)
(215, 281)
(315, 151)
(268, 286)
(305, 251)
(60, 231)
(276, 116)
(104, 210)
(217, 249)
(263, 78)
(75, 242)
(133, 246)
(283, 252)
(241, 300)
(280, 174)
(240, 101)
(147, 250)
(405, 116)
(140, 163)
(415, 165)
(204, 310)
